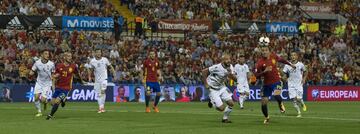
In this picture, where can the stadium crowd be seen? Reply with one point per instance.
(348, 8)
(330, 59)
(216, 9)
(273, 10)
(57, 7)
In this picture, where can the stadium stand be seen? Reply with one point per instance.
(332, 58)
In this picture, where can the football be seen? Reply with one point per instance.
(264, 41)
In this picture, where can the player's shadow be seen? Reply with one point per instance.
(292, 115)
(61, 118)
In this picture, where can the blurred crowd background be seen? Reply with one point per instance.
(331, 57)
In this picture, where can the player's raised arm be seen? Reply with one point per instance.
(282, 60)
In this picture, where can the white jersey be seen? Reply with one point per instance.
(100, 69)
(217, 77)
(241, 73)
(295, 75)
(44, 71)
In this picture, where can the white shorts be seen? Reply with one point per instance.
(296, 92)
(217, 96)
(43, 90)
(243, 89)
(100, 87)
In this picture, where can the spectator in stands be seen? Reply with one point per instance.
(93, 8)
(10, 75)
(356, 75)
(114, 54)
(339, 76)
(23, 72)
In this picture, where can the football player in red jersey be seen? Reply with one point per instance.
(151, 76)
(266, 66)
(63, 78)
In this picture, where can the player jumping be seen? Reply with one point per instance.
(44, 68)
(151, 75)
(266, 66)
(63, 78)
(242, 73)
(99, 66)
(214, 79)
(296, 79)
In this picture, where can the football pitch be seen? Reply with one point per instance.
(180, 118)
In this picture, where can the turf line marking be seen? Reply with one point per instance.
(200, 112)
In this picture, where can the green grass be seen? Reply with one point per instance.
(180, 118)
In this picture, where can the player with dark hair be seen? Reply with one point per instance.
(151, 75)
(242, 73)
(266, 66)
(44, 68)
(296, 79)
(100, 66)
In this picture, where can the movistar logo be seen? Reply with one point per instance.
(78, 23)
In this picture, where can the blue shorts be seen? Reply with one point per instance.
(61, 93)
(153, 86)
(268, 89)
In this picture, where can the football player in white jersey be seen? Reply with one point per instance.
(44, 68)
(214, 78)
(242, 73)
(296, 78)
(99, 65)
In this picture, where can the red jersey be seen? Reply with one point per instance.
(66, 74)
(150, 69)
(272, 76)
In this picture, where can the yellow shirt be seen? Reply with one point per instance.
(23, 71)
(346, 77)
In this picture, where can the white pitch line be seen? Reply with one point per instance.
(201, 112)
